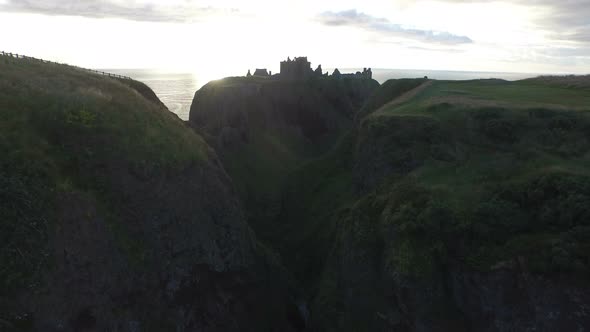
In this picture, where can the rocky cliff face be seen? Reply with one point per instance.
(381, 278)
(235, 109)
(264, 128)
(448, 206)
(115, 216)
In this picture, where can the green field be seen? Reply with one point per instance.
(471, 141)
(494, 93)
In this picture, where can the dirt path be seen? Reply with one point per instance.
(404, 97)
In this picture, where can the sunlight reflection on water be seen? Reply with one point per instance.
(175, 90)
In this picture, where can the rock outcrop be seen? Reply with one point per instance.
(264, 129)
(316, 108)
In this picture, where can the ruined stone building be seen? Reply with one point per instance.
(296, 69)
(300, 69)
(261, 72)
(367, 73)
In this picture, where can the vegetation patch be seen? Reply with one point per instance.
(63, 130)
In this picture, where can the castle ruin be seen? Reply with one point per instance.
(296, 69)
(261, 72)
(300, 69)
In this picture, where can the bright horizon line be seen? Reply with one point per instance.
(164, 70)
(180, 71)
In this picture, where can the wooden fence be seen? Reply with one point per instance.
(20, 56)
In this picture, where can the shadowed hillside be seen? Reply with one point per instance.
(448, 206)
(264, 128)
(467, 210)
(114, 215)
(420, 205)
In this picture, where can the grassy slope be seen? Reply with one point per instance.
(55, 121)
(506, 174)
(490, 93)
(389, 91)
(523, 146)
(545, 124)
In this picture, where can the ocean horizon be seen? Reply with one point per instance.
(177, 90)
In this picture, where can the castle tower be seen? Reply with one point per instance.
(296, 69)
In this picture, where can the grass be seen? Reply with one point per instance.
(60, 130)
(75, 101)
(487, 148)
(457, 168)
(470, 175)
(493, 93)
(516, 143)
(389, 91)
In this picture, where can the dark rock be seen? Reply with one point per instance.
(315, 108)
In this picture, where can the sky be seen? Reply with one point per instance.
(217, 38)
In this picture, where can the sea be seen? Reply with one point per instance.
(176, 90)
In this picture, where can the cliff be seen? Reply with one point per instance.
(445, 205)
(114, 215)
(235, 109)
(415, 206)
(457, 206)
(265, 128)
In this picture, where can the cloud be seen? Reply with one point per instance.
(131, 10)
(565, 20)
(381, 25)
(558, 52)
(430, 49)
